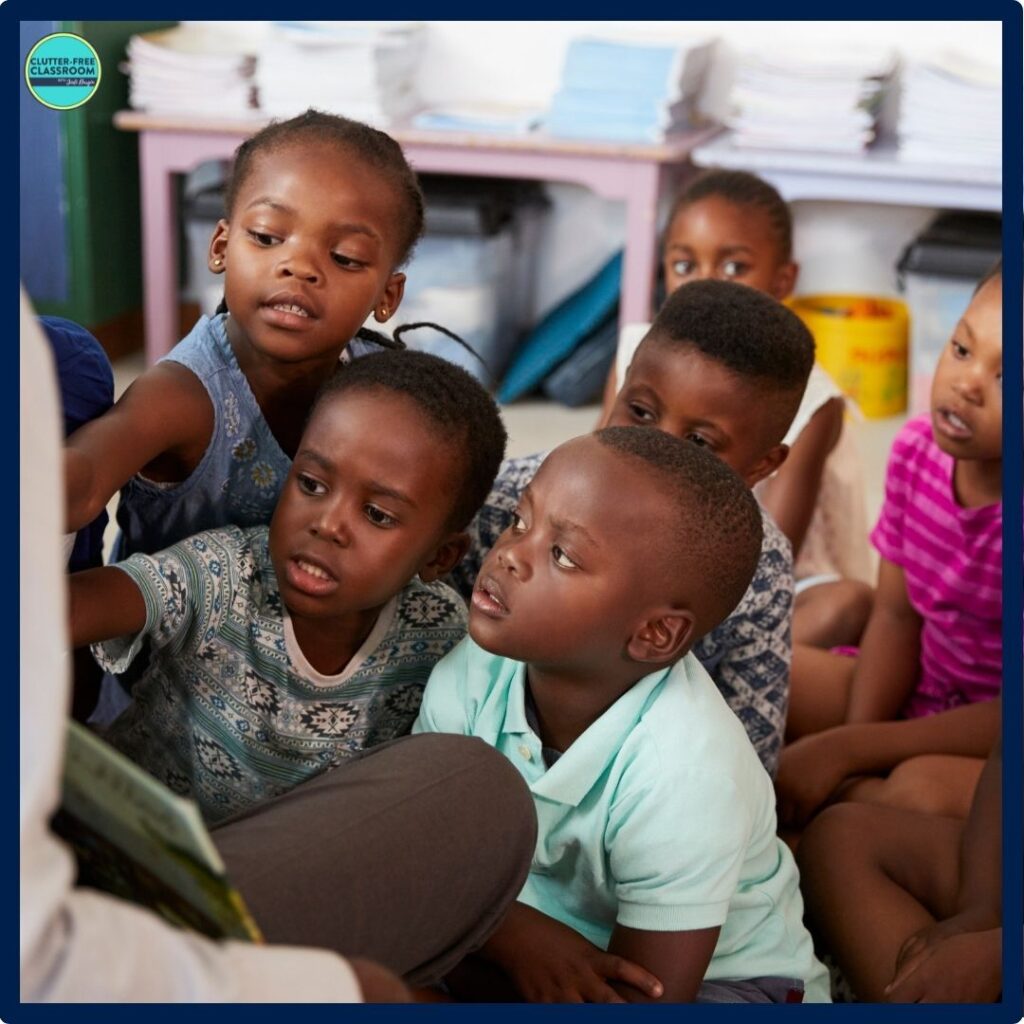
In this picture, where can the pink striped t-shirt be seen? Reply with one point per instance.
(952, 562)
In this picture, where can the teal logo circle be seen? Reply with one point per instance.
(62, 71)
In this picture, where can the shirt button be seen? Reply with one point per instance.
(524, 751)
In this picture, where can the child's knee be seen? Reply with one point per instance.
(833, 840)
(919, 784)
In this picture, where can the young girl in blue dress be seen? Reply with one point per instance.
(322, 212)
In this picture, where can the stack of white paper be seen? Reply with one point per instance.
(951, 112)
(620, 90)
(191, 70)
(814, 98)
(362, 70)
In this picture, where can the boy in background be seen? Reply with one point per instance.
(723, 366)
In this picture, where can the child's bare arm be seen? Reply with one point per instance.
(791, 494)
(678, 959)
(812, 769)
(164, 421)
(981, 855)
(959, 958)
(103, 604)
(551, 963)
(890, 652)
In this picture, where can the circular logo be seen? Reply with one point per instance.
(62, 71)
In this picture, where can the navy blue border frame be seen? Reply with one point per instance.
(1007, 12)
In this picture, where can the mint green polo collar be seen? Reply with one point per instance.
(576, 772)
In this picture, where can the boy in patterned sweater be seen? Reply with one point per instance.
(723, 366)
(280, 651)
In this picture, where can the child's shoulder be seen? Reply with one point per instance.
(915, 442)
(205, 348)
(689, 724)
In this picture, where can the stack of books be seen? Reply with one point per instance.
(628, 91)
(951, 111)
(191, 70)
(362, 70)
(812, 98)
(479, 118)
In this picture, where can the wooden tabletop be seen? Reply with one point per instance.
(673, 149)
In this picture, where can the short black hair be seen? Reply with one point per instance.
(373, 147)
(749, 333)
(743, 189)
(454, 401)
(718, 530)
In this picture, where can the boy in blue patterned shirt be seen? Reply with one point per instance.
(723, 366)
(280, 651)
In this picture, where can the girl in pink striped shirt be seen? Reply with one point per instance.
(916, 704)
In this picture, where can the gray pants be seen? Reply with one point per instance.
(409, 854)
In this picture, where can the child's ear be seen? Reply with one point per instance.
(663, 637)
(785, 280)
(766, 465)
(218, 247)
(391, 299)
(445, 557)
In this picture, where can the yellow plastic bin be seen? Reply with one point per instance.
(862, 344)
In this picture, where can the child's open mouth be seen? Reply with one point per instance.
(288, 311)
(310, 577)
(488, 599)
(953, 426)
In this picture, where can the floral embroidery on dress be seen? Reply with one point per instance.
(264, 475)
(232, 417)
(244, 450)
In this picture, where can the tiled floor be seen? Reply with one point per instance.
(535, 424)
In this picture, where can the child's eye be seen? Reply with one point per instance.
(699, 440)
(682, 267)
(640, 413)
(310, 485)
(380, 518)
(263, 238)
(518, 523)
(562, 560)
(733, 268)
(959, 350)
(346, 261)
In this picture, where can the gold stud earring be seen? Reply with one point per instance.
(383, 312)
(218, 262)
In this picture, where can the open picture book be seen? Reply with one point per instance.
(136, 839)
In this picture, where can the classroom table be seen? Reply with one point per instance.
(636, 175)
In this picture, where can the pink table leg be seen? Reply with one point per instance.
(641, 244)
(159, 244)
(162, 154)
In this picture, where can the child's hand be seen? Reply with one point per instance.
(810, 771)
(964, 967)
(934, 934)
(551, 963)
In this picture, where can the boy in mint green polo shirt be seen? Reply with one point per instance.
(657, 875)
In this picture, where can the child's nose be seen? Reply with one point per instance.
(969, 385)
(511, 558)
(302, 265)
(332, 525)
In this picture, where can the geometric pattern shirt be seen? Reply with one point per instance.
(747, 655)
(228, 711)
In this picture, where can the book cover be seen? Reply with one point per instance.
(136, 839)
